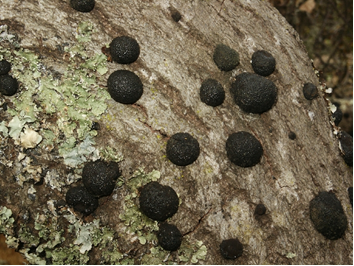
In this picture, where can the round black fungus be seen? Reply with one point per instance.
(231, 248)
(327, 215)
(176, 16)
(95, 126)
(263, 63)
(310, 91)
(8, 85)
(182, 149)
(292, 135)
(82, 5)
(81, 200)
(100, 177)
(260, 209)
(158, 202)
(169, 237)
(124, 50)
(243, 149)
(5, 67)
(350, 194)
(346, 142)
(337, 115)
(254, 93)
(212, 93)
(225, 58)
(124, 86)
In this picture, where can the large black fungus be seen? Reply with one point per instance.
(5, 67)
(263, 63)
(124, 86)
(124, 50)
(243, 149)
(225, 58)
(260, 209)
(182, 149)
(82, 200)
(231, 248)
(327, 215)
(212, 93)
(100, 177)
(337, 115)
(346, 143)
(169, 237)
(254, 93)
(310, 91)
(350, 194)
(158, 202)
(82, 5)
(8, 85)
(176, 16)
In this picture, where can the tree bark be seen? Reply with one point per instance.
(218, 198)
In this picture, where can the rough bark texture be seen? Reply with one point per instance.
(218, 199)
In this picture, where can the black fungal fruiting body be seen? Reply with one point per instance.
(263, 63)
(346, 143)
(327, 215)
(243, 149)
(292, 135)
(260, 209)
(176, 16)
(82, 5)
(5, 67)
(225, 58)
(337, 115)
(182, 149)
(231, 248)
(100, 177)
(350, 194)
(124, 50)
(169, 237)
(212, 93)
(124, 86)
(8, 85)
(310, 91)
(158, 202)
(254, 93)
(81, 200)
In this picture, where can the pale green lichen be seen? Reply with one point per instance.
(6, 220)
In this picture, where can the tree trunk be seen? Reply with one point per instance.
(217, 198)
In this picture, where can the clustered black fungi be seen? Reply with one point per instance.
(8, 85)
(350, 194)
(100, 177)
(260, 209)
(346, 142)
(263, 63)
(243, 149)
(124, 86)
(327, 215)
(225, 58)
(82, 5)
(169, 237)
(182, 149)
(337, 115)
(124, 50)
(254, 93)
(292, 135)
(158, 202)
(81, 200)
(310, 91)
(212, 93)
(5, 67)
(231, 248)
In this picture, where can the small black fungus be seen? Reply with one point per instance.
(337, 115)
(310, 91)
(182, 149)
(346, 143)
(327, 215)
(212, 93)
(231, 248)
(254, 93)
(5, 67)
(8, 85)
(292, 135)
(243, 149)
(124, 86)
(260, 209)
(100, 177)
(225, 58)
(158, 202)
(263, 63)
(176, 16)
(124, 50)
(169, 237)
(95, 126)
(350, 194)
(81, 200)
(82, 5)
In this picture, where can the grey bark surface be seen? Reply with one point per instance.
(218, 198)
